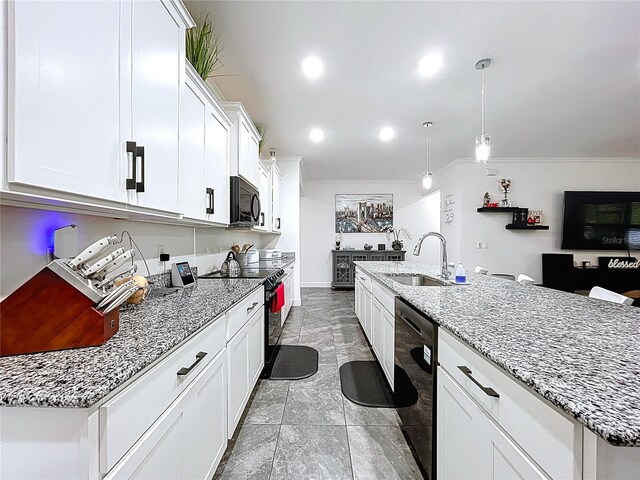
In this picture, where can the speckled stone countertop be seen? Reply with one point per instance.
(579, 353)
(81, 377)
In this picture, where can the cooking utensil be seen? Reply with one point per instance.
(235, 248)
(117, 263)
(116, 292)
(115, 276)
(93, 250)
(230, 267)
(121, 299)
(100, 264)
(246, 247)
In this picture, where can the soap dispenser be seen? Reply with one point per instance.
(461, 274)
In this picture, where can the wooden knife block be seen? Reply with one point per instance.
(47, 313)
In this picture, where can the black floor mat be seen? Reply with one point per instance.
(364, 383)
(294, 362)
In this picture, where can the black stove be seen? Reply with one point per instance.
(271, 275)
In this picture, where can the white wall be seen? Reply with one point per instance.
(412, 210)
(25, 235)
(537, 184)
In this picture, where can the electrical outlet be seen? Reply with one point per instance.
(161, 249)
(479, 245)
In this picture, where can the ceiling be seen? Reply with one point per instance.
(564, 82)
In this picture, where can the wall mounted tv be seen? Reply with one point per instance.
(601, 221)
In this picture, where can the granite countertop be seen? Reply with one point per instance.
(81, 377)
(579, 353)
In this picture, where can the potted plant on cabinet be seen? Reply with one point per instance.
(396, 244)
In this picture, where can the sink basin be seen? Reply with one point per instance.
(417, 281)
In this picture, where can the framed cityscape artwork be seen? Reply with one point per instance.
(363, 213)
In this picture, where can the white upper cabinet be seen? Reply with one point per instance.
(86, 80)
(276, 184)
(66, 98)
(157, 78)
(264, 187)
(244, 144)
(204, 155)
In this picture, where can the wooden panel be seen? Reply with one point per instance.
(47, 313)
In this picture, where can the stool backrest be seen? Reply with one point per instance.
(604, 294)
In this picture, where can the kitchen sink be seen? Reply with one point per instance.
(417, 281)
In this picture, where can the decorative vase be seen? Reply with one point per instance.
(396, 245)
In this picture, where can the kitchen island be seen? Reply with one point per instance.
(581, 356)
(153, 396)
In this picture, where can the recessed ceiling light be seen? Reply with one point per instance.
(316, 135)
(312, 67)
(386, 134)
(430, 64)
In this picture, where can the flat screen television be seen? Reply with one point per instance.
(601, 221)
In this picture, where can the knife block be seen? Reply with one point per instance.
(48, 313)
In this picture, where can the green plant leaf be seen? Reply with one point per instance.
(203, 48)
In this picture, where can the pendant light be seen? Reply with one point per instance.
(483, 141)
(427, 176)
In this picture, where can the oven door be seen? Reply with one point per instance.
(273, 329)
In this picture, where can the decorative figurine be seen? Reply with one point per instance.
(505, 183)
(487, 200)
(338, 240)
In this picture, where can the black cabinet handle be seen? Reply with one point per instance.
(131, 182)
(210, 208)
(186, 371)
(488, 390)
(252, 306)
(140, 185)
(279, 223)
(262, 217)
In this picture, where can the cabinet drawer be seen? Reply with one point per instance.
(124, 418)
(385, 296)
(549, 437)
(240, 314)
(364, 278)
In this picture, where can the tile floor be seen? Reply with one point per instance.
(306, 429)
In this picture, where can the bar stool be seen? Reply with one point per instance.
(524, 279)
(506, 276)
(480, 270)
(604, 294)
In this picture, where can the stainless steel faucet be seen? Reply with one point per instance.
(444, 273)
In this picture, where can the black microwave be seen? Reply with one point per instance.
(245, 203)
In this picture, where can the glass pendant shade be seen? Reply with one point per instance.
(427, 180)
(483, 148)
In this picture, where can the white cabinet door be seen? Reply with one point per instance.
(366, 307)
(244, 164)
(463, 447)
(256, 347)
(193, 111)
(157, 76)
(388, 345)
(164, 460)
(376, 328)
(238, 368)
(356, 302)
(264, 187)
(65, 98)
(254, 159)
(217, 167)
(276, 182)
(204, 423)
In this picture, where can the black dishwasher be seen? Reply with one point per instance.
(416, 340)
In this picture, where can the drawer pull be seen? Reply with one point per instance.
(252, 306)
(488, 390)
(186, 371)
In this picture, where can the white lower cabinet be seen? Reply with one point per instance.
(245, 358)
(471, 444)
(388, 345)
(188, 439)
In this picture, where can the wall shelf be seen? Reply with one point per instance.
(526, 227)
(498, 209)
